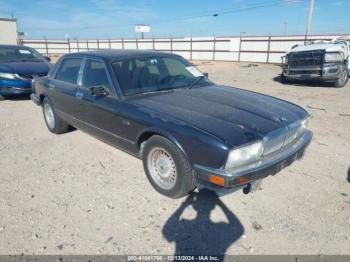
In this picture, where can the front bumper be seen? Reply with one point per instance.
(10, 87)
(265, 167)
(324, 72)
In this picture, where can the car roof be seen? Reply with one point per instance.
(15, 46)
(114, 54)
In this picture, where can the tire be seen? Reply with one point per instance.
(172, 176)
(284, 79)
(343, 77)
(55, 124)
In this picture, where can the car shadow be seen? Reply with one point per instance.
(348, 178)
(310, 83)
(202, 236)
(16, 98)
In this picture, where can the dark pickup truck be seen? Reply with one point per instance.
(187, 130)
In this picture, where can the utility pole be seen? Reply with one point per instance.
(309, 19)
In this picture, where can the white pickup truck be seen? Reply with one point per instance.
(319, 60)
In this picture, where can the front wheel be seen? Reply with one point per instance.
(55, 124)
(167, 168)
(284, 79)
(343, 77)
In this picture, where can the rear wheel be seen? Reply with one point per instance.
(2, 98)
(167, 168)
(343, 77)
(55, 124)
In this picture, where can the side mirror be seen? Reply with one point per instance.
(98, 91)
(206, 74)
(48, 59)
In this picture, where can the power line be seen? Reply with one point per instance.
(225, 11)
(212, 13)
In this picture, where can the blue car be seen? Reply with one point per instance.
(18, 66)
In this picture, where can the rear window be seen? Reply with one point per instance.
(69, 70)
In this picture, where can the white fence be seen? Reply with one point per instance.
(263, 49)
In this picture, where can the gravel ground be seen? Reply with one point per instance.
(72, 194)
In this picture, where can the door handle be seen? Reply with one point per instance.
(79, 95)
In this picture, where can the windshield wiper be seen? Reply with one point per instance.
(196, 81)
(156, 91)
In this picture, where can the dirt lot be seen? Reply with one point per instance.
(72, 194)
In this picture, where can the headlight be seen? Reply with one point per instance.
(333, 57)
(285, 60)
(244, 155)
(7, 75)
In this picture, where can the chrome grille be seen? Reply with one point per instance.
(306, 58)
(274, 140)
(31, 76)
(281, 138)
(292, 134)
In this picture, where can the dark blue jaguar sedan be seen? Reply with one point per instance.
(160, 108)
(18, 66)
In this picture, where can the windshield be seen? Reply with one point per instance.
(19, 54)
(156, 74)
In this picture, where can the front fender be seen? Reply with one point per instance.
(198, 147)
(146, 133)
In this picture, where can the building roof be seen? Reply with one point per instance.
(8, 19)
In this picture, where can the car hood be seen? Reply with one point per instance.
(25, 67)
(234, 115)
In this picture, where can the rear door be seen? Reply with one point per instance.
(100, 114)
(63, 87)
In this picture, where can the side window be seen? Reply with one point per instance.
(69, 70)
(95, 74)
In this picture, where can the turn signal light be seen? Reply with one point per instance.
(217, 179)
(241, 180)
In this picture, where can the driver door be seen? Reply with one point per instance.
(99, 114)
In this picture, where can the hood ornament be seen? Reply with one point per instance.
(280, 119)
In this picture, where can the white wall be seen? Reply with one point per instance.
(8, 31)
(264, 49)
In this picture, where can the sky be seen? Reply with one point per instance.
(56, 19)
